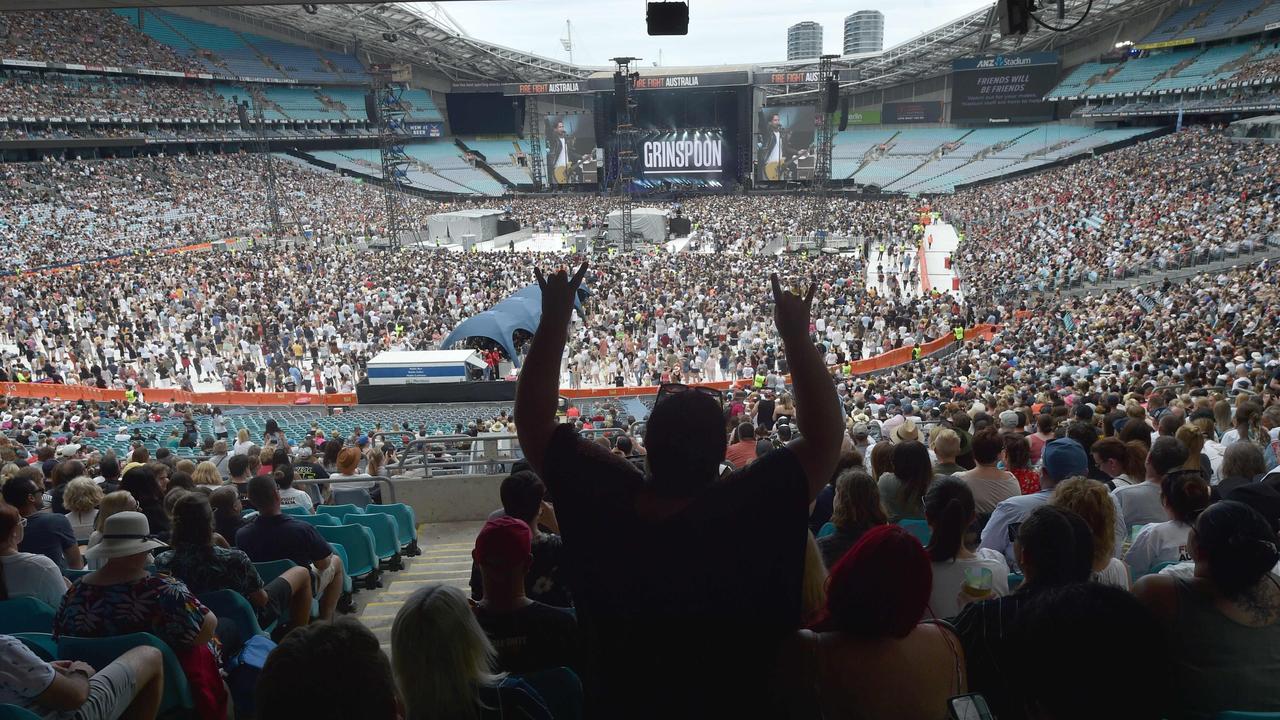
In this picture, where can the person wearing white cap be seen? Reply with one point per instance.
(123, 597)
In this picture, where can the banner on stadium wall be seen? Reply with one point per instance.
(425, 129)
(546, 88)
(1271, 26)
(1004, 88)
(864, 117)
(478, 87)
(1177, 42)
(111, 69)
(797, 78)
(928, 111)
(54, 391)
(678, 82)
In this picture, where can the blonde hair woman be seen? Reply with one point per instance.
(443, 663)
(206, 473)
(1090, 500)
(81, 499)
(814, 588)
(243, 443)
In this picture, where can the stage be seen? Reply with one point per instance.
(463, 392)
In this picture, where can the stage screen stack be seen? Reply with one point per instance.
(1004, 88)
(784, 143)
(571, 148)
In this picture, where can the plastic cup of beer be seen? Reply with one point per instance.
(977, 583)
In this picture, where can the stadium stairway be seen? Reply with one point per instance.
(445, 558)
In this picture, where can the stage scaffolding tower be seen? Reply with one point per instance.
(823, 122)
(624, 86)
(392, 135)
(537, 161)
(274, 225)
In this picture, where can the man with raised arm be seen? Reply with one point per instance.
(684, 581)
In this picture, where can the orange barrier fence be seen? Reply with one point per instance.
(893, 358)
(52, 391)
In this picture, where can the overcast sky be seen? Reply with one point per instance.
(720, 31)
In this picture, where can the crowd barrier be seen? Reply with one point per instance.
(53, 391)
(884, 361)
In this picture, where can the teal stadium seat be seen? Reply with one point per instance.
(295, 510)
(74, 575)
(320, 519)
(237, 621)
(352, 496)
(407, 523)
(827, 529)
(1015, 579)
(341, 552)
(919, 528)
(357, 540)
(25, 615)
(273, 569)
(42, 644)
(386, 543)
(101, 652)
(13, 712)
(1242, 715)
(339, 511)
(561, 691)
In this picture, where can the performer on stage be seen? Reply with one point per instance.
(776, 151)
(564, 158)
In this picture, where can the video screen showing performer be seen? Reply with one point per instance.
(784, 148)
(571, 149)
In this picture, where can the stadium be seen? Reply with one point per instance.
(356, 365)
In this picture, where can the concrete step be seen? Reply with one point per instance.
(445, 558)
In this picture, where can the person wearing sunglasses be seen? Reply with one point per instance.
(688, 581)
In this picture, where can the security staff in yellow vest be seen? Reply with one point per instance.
(758, 381)
(958, 331)
(915, 352)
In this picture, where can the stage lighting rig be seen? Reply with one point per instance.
(1016, 16)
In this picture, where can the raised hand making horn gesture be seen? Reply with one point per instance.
(559, 292)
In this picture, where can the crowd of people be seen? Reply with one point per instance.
(88, 37)
(29, 94)
(1147, 205)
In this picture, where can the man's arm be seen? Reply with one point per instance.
(70, 687)
(537, 391)
(817, 410)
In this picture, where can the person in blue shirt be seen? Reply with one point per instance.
(1062, 458)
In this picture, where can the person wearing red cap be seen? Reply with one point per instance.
(528, 635)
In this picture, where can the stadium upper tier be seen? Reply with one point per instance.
(223, 51)
(930, 160)
(1172, 70)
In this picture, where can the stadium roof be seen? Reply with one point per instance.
(978, 33)
(426, 34)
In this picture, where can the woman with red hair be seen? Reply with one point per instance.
(869, 655)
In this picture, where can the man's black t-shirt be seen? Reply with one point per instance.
(535, 637)
(680, 605)
(281, 537)
(764, 413)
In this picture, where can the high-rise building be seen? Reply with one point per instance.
(804, 40)
(864, 32)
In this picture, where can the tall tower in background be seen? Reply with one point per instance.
(864, 32)
(804, 40)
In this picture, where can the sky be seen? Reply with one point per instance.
(720, 31)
